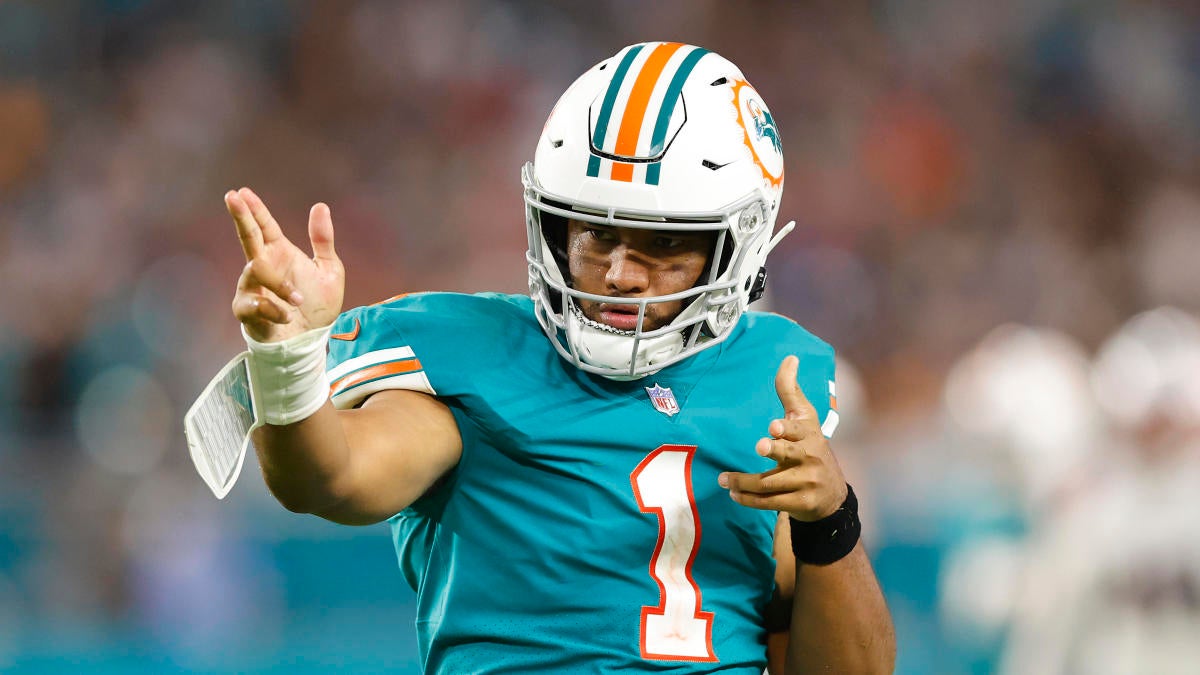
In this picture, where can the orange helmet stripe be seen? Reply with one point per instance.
(635, 109)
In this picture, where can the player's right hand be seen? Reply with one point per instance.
(807, 482)
(282, 292)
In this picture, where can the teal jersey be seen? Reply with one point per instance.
(583, 529)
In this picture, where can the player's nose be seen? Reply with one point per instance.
(627, 273)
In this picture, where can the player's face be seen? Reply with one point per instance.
(634, 263)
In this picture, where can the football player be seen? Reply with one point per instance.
(622, 470)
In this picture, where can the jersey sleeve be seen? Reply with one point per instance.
(368, 354)
(442, 344)
(817, 372)
(817, 379)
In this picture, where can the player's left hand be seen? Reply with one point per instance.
(807, 482)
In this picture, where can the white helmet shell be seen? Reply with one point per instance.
(1149, 370)
(661, 136)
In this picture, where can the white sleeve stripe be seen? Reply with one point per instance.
(831, 420)
(369, 359)
(348, 398)
(830, 424)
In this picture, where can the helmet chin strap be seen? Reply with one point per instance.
(607, 347)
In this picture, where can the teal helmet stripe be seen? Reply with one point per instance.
(668, 107)
(610, 98)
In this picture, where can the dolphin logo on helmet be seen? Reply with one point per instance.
(764, 124)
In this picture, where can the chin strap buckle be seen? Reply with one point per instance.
(760, 284)
(760, 280)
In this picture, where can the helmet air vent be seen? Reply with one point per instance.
(719, 81)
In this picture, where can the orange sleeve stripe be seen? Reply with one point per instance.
(394, 297)
(635, 109)
(833, 403)
(374, 372)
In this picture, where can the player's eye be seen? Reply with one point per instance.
(668, 242)
(601, 234)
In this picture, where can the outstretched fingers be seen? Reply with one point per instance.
(766, 502)
(266, 222)
(767, 482)
(248, 231)
(320, 233)
(771, 490)
(795, 403)
(795, 489)
(806, 481)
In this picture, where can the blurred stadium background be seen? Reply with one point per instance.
(999, 229)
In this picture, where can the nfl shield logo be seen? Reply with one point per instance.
(663, 400)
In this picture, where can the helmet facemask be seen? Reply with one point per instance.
(711, 307)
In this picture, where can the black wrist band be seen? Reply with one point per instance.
(829, 539)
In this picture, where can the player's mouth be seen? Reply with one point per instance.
(621, 317)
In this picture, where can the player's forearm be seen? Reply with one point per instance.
(304, 462)
(840, 622)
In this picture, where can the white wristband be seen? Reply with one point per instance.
(287, 378)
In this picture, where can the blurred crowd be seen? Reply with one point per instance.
(998, 210)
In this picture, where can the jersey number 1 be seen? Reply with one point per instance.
(676, 629)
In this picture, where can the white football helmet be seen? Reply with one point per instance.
(661, 136)
(1149, 370)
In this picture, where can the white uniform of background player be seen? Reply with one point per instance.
(1112, 581)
